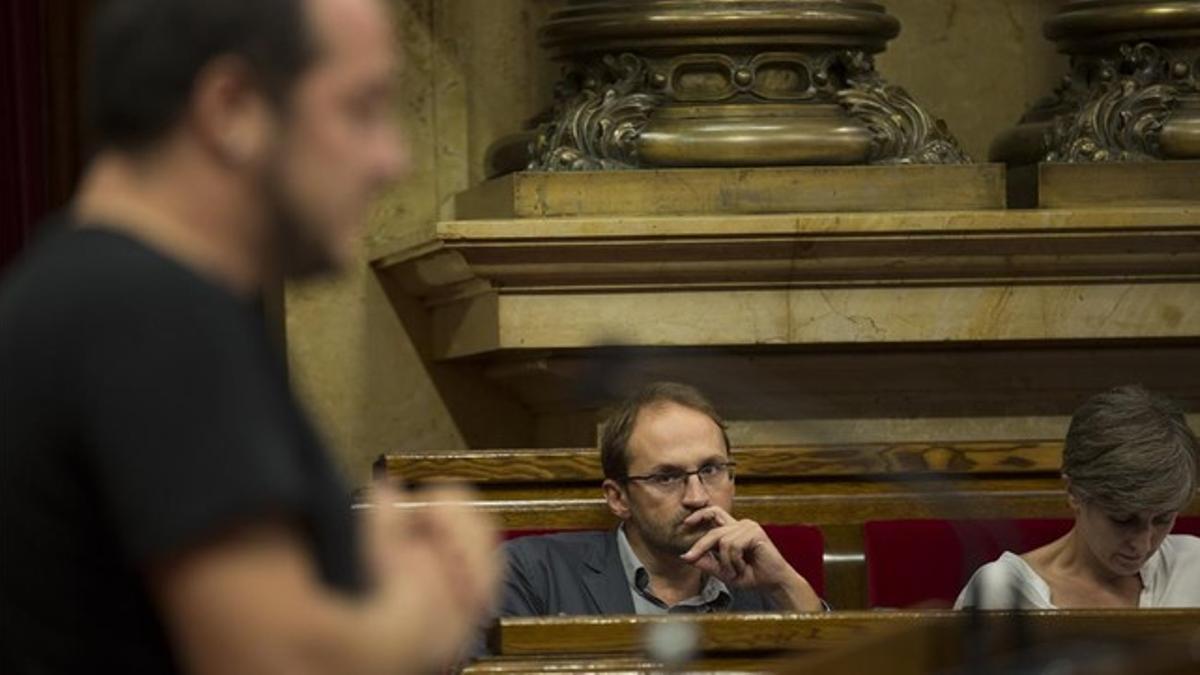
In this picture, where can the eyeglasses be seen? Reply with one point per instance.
(714, 475)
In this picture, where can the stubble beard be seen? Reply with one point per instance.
(294, 234)
(668, 537)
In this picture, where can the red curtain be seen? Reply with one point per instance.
(24, 127)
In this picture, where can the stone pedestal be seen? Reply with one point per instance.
(718, 83)
(1133, 93)
(791, 189)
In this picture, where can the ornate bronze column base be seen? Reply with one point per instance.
(1133, 93)
(679, 83)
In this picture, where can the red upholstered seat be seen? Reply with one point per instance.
(509, 535)
(803, 546)
(927, 562)
(1187, 525)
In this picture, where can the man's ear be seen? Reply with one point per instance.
(617, 498)
(230, 114)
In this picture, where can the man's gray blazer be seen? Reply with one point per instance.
(579, 573)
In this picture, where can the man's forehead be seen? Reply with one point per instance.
(668, 432)
(669, 416)
(344, 26)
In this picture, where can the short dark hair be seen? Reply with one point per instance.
(618, 426)
(146, 55)
(1129, 449)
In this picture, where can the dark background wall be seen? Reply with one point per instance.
(42, 145)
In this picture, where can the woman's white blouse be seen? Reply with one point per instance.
(1170, 578)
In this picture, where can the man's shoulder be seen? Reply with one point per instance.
(97, 282)
(559, 545)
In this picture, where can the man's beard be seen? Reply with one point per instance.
(294, 234)
(669, 537)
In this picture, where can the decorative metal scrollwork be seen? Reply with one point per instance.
(903, 132)
(599, 113)
(1120, 116)
(603, 107)
(673, 83)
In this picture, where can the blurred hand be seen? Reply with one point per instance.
(430, 555)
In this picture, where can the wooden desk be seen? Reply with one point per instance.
(779, 641)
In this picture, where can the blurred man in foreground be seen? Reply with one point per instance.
(164, 504)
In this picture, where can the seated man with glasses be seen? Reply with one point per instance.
(668, 476)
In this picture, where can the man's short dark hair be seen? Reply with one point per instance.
(618, 426)
(146, 55)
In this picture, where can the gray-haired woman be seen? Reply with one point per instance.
(1130, 464)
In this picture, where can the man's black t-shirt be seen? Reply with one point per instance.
(142, 412)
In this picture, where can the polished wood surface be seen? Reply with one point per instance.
(854, 504)
(490, 467)
(623, 665)
(727, 633)
(818, 484)
(1114, 642)
(839, 642)
(830, 507)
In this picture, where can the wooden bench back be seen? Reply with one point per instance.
(819, 484)
(492, 468)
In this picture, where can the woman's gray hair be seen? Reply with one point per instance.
(1130, 450)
